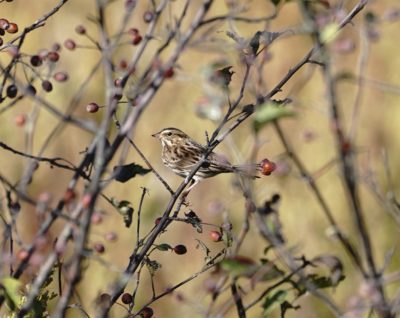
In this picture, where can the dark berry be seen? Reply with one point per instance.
(36, 60)
(12, 91)
(2, 32)
(12, 28)
(1, 40)
(136, 39)
(168, 73)
(147, 312)
(92, 108)
(47, 86)
(70, 44)
(180, 249)
(126, 298)
(157, 221)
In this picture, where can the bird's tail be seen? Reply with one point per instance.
(249, 170)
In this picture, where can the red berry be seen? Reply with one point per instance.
(92, 108)
(126, 298)
(111, 236)
(20, 120)
(123, 64)
(70, 44)
(87, 198)
(157, 221)
(53, 56)
(22, 255)
(346, 146)
(61, 76)
(147, 312)
(99, 247)
(168, 73)
(267, 167)
(136, 39)
(4, 24)
(80, 29)
(215, 236)
(12, 28)
(180, 249)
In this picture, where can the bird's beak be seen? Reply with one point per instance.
(157, 135)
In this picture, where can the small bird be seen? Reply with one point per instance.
(181, 153)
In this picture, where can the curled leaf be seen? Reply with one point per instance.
(335, 267)
(125, 209)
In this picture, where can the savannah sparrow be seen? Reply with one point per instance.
(181, 153)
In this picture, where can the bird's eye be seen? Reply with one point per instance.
(169, 134)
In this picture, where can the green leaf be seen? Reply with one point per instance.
(273, 301)
(125, 209)
(11, 287)
(164, 247)
(271, 111)
(239, 266)
(126, 172)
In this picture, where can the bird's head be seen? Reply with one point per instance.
(171, 136)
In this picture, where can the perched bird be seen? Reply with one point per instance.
(181, 153)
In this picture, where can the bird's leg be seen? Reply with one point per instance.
(185, 193)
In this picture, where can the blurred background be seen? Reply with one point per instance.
(372, 113)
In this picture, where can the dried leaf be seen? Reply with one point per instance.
(126, 172)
